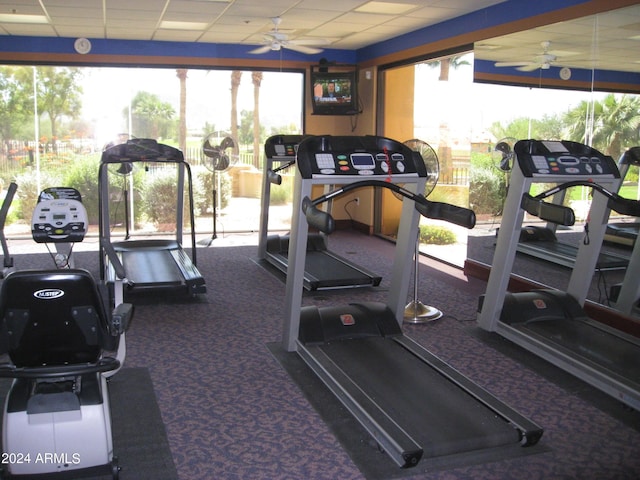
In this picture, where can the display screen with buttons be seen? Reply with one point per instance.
(59, 216)
(566, 158)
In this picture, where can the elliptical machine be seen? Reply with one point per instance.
(59, 344)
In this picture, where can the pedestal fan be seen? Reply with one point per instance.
(416, 311)
(217, 160)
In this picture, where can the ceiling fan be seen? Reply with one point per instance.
(277, 40)
(542, 61)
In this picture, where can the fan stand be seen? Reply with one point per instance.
(214, 194)
(415, 311)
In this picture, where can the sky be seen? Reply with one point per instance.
(468, 108)
(107, 92)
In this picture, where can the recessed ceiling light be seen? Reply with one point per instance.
(19, 18)
(385, 7)
(169, 25)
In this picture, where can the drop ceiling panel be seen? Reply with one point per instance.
(243, 21)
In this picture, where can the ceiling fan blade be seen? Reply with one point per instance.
(259, 50)
(529, 68)
(302, 48)
(510, 64)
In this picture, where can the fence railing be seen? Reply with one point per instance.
(16, 157)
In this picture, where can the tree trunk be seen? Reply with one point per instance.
(256, 77)
(445, 63)
(235, 83)
(181, 73)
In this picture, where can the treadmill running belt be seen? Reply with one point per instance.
(329, 271)
(565, 254)
(146, 267)
(590, 342)
(441, 417)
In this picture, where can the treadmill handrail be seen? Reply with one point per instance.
(323, 221)
(4, 210)
(624, 206)
(113, 257)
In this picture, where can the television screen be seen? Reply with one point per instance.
(334, 93)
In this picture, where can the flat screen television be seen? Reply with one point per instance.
(334, 93)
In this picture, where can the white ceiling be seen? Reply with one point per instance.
(607, 41)
(346, 24)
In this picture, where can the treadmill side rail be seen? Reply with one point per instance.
(390, 436)
(529, 431)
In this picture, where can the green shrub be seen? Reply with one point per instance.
(28, 190)
(487, 190)
(158, 199)
(83, 176)
(203, 189)
(280, 195)
(435, 235)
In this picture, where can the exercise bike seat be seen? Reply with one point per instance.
(58, 344)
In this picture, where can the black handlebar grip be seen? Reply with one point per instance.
(316, 218)
(625, 206)
(274, 177)
(450, 213)
(550, 212)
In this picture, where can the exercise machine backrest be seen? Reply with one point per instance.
(54, 322)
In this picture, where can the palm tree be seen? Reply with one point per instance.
(612, 124)
(181, 73)
(236, 76)
(256, 78)
(619, 124)
(445, 156)
(150, 115)
(449, 62)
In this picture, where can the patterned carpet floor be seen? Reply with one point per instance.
(232, 412)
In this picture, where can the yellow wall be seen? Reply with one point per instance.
(397, 123)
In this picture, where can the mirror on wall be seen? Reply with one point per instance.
(574, 80)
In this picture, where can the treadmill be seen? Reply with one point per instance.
(151, 265)
(552, 323)
(413, 404)
(324, 269)
(547, 247)
(625, 233)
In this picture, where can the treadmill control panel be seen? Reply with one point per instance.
(563, 158)
(283, 147)
(368, 156)
(59, 216)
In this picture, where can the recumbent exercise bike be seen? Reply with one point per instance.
(59, 344)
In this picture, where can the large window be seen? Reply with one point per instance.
(54, 120)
